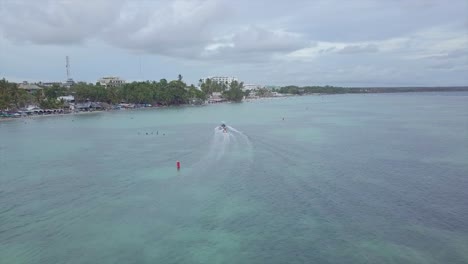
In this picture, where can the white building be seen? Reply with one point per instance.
(111, 81)
(222, 79)
(67, 98)
(252, 87)
(216, 98)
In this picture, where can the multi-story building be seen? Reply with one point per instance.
(111, 81)
(222, 79)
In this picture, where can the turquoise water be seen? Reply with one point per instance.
(342, 179)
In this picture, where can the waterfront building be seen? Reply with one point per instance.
(252, 87)
(222, 79)
(111, 81)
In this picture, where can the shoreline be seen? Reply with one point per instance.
(249, 100)
(49, 115)
(31, 117)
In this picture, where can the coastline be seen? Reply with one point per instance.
(49, 115)
(5, 119)
(248, 100)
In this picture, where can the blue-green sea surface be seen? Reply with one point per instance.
(379, 178)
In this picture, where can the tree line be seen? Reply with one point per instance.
(162, 92)
(230, 91)
(174, 92)
(11, 96)
(292, 89)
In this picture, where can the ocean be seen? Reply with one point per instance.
(365, 178)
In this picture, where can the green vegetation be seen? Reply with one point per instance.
(234, 93)
(11, 97)
(263, 92)
(316, 89)
(159, 93)
(230, 91)
(209, 87)
(164, 92)
(341, 90)
(47, 98)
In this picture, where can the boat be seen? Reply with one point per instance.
(223, 127)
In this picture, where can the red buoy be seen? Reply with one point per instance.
(178, 165)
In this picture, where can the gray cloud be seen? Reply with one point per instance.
(261, 35)
(253, 44)
(175, 28)
(454, 54)
(354, 49)
(260, 39)
(366, 20)
(56, 22)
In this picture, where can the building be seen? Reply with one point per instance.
(49, 84)
(252, 87)
(29, 87)
(69, 83)
(111, 81)
(222, 79)
(67, 98)
(216, 98)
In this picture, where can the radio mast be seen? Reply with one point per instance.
(68, 67)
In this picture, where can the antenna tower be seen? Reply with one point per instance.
(68, 67)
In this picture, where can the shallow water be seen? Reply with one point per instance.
(342, 179)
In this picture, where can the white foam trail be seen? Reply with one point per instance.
(219, 144)
(242, 135)
(222, 144)
(233, 129)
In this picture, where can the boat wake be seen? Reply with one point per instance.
(227, 140)
(226, 146)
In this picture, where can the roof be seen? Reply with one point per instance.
(83, 105)
(67, 98)
(29, 86)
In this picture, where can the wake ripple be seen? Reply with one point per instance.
(224, 147)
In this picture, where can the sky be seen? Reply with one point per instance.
(270, 42)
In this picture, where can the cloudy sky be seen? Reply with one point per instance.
(302, 42)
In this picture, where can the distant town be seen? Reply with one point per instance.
(114, 93)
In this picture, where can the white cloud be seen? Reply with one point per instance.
(167, 27)
(299, 41)
(56, 22)
(356, 49)
(253, 43)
